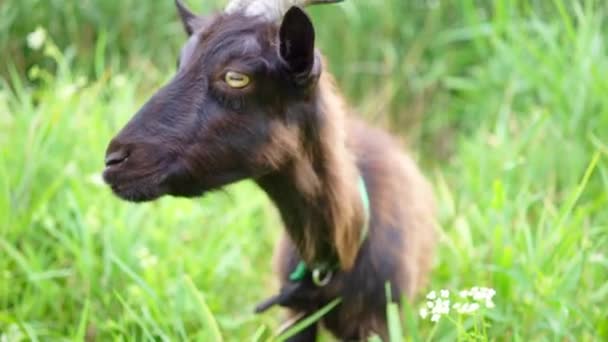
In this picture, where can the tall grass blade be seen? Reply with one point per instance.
(303, 324)
(206, 315)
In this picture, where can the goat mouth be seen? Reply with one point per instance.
(136, 192)
(133, 188)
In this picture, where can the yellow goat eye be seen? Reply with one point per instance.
(236, 79)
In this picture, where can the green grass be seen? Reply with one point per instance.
(505, 106)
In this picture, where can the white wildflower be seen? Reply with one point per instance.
(119, 81)
(424, 313)
(442, 306)
(146, 259)
(485, 294)
(71, 169)
(437, 307)
(438, 304)
(96, 179)
(597, 258)
(67, 91)
(35, 39)
(92, 220)
(150, 261)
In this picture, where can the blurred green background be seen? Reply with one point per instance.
(502, 102)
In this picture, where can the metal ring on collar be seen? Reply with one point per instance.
(321, 277)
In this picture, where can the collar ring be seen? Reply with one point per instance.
(322, 276)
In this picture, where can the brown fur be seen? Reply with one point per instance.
(290, 131)
(323, 176)
(401, 230)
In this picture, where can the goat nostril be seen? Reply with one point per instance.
(115, 158)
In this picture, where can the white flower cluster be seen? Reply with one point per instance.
(480, 295)
(438, 305)
(35, 39)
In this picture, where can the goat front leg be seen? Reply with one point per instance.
(308, 334)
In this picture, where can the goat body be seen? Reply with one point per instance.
(251, 100)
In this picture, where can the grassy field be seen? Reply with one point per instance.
(505, 106)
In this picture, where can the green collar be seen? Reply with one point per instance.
(301, 269)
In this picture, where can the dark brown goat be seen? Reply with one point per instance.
(251, 100)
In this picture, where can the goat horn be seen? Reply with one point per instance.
(272, 10)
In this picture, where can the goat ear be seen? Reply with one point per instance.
(190, 20)
(297, 43)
